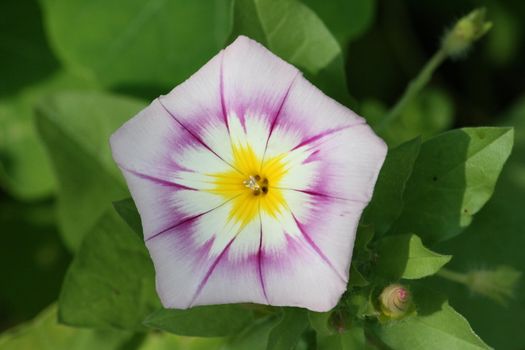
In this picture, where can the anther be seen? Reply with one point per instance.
(257, 185)
(251, 183)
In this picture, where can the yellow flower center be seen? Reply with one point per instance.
(252, 186)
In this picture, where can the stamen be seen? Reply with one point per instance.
(256, 184)
(252, 183)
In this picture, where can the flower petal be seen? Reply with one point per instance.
(295, 273)
(298, 253)
(194, 262)
(313, 214)
(255, 85)
(237, 276)
(236, 95)
(165, 169)
(329, 149)
(197, 105)
(307, 115)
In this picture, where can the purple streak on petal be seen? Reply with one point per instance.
(202, 284)
(188, 219)
(313, 157)
(324, 134)
(260, 258)
(278, 113)
(156, 180)
(195, 136)
(221, 91)
(320, 194)
(317, 249)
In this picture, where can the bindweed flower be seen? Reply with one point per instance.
(250, 183)
(395, 301)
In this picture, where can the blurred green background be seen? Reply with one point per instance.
(45, 50)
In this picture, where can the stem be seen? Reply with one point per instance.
(413, 88)
(453, 276)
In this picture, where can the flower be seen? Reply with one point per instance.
(250, 183)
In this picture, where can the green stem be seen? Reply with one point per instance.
(453, 276)
(413, 88)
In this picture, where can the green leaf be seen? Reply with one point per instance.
(25, 54)
(286, 334)
(496, 236)
(352, 339)
(25, 170)
(404, 256)
(136, 43)
(362, 253)
(110, 283)
(361, 303)
(44, 333)
(387, 202)
(128, 212)
(435, 326)
(364, 236)
(31, 254)
(429, 113)
(75, 128)
(356, 278)
(202, 321)
(346, 19)
(453, 177)
(294, 32)
(319, 321)
(254, 337)
(167, 341)
(310, 45)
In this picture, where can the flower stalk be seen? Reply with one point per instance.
(413, 88)
(497, 284)
(455, 43)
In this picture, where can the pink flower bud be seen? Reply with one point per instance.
(395, 301)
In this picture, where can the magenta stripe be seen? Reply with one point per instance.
(221, 91)
(319, 194)
(260, 259)
(156, 180)
(202, 284)
(188, 219)
(324, 134)
(317, 249)
(198, 139)
(277, 115)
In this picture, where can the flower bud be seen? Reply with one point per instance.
(395, 301)
(465, 32)
(498, 283)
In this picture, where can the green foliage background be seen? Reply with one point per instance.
(76, 274)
